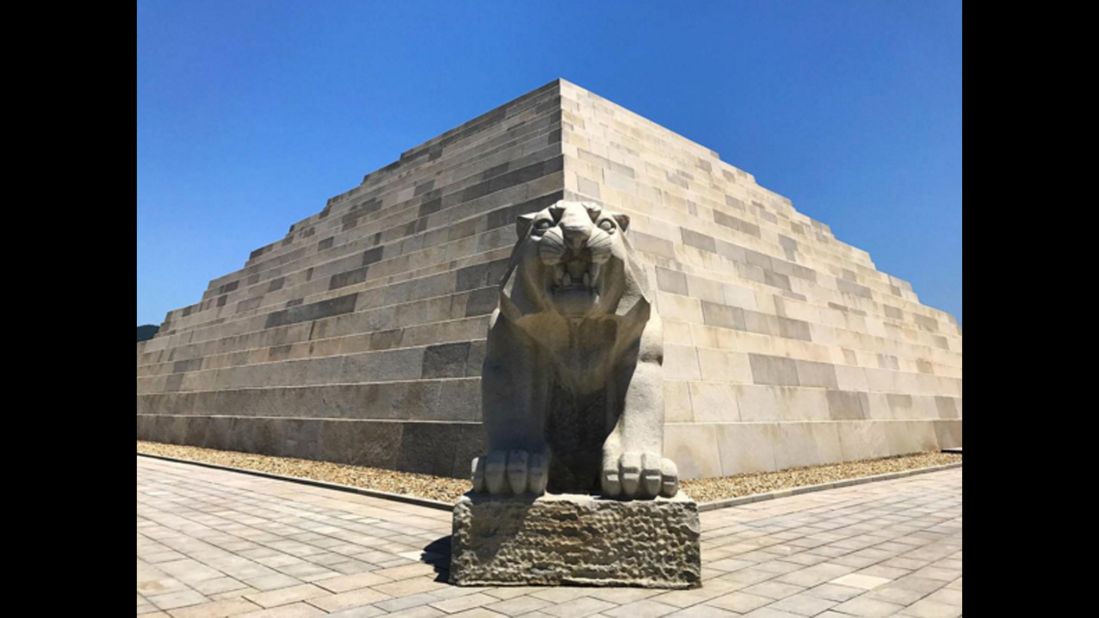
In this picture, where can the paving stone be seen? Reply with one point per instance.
(624, 595)
(271, 582)
(730, 564)
(803, 604)
(218, 584)
(561, 594)
(347, 600)
(867, 608)
(285, 596)
(478, 612)
(405, 602)
(583, 606)
(515, 591)
(893, 594)
(859, 580)
(767, 612)
(759, 530)
(174, 600)
(884, 572)
(946, 595)
(457, 604)
(215, 609)
(702, 611)
(835, 592)
(406, 571)
(160, 586)
(741, 602)
(685, 598)
(641, 609)
(774, 589)
(293, 610)
(944, 575)
(746, 577)
(345, 583)
(926, 608)
(517, 605)
(919, 584)
(778, 567)
(420, 611)
(409, 586)
(233, 594)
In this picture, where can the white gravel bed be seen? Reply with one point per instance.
(449, 489)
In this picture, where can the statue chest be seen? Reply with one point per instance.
(579, 352)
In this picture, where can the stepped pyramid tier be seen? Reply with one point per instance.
(359, 337)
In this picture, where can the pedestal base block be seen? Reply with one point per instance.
(575, 539)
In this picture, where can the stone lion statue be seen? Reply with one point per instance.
(572, 391)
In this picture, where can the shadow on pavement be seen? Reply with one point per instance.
(437, 554)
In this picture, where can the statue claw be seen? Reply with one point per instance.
(511, 473)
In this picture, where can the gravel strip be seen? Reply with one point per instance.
(447, 489)
(406, 483)
(724, 487)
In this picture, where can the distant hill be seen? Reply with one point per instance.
(146, 331)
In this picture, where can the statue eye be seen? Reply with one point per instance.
(606, 225)
(542, 225)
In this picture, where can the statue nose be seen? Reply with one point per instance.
(575, 237)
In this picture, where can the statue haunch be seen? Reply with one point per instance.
(571, 387)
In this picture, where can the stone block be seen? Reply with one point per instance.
(722, 366)
(576, 539)
(677, 401)
(774, 370)
(681, 363)
(816, 374)
(946, 407)
(738, 296)
(713, 401)
(714, 314)
(693, 447)
(671, 281)
(806, 444)
(847, 405)
(911, 437)
(678, 307)
(948, 433)
(746, 447)
(863, 440)
(706, 289)
(797, 403)
(446, 360)
(757, 402)
(850, 378)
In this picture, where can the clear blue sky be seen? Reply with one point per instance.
(251, 113)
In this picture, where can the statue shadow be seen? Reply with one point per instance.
(437, 554)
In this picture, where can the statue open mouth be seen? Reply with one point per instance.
(574, 284)
(579, 273)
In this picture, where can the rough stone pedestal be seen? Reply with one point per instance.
(575, 539)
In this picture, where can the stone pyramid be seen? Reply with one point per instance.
(358, 337)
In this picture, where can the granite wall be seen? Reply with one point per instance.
(358, 337)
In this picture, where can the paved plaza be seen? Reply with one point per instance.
(219, 543)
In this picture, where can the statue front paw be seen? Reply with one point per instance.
(511, 473)
(639, 475)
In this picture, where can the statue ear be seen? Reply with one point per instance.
(522, 225)
(623, 221)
